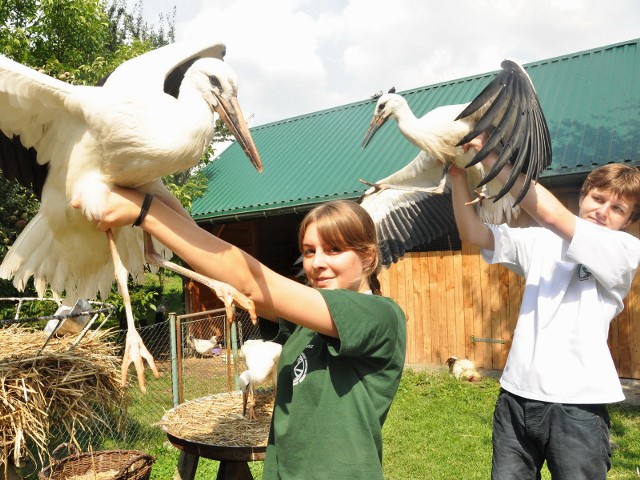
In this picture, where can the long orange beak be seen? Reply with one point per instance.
(376, 122)
(231, 114)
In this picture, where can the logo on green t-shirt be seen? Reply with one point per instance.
(300, 369)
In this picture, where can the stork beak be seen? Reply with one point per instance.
(376, 122)
(245, 395)
(231, 114)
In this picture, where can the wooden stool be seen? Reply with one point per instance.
(233, 460)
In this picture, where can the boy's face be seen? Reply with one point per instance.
(606, 209)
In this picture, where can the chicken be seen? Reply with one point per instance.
(203, 346)
(463, 369)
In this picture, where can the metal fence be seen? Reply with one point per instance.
(186, 369)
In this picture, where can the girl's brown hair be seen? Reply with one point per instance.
(346, 225)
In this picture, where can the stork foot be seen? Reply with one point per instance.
(228, 294)
(135, 349)
(480, 197)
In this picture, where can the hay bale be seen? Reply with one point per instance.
(59, 386)
(218, 420)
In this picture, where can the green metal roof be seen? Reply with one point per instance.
(591, 100)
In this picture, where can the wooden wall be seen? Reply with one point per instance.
(453, 298)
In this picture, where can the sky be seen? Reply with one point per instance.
(295, 57)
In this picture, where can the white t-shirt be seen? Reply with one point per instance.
(573, 290)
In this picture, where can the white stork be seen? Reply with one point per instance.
(412, 206)
(154, 115)
(261, 358)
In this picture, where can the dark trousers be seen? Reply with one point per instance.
(573, 439)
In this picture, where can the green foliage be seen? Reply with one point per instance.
(142, 298)
(18, 207)
(79, 42)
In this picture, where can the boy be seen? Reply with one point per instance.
(559, 375)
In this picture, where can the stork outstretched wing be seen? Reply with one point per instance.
(507, 109)
(516, 126)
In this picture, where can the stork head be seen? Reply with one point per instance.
(218, 84)
(386, 106)
(244, 381)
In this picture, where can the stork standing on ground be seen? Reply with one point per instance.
(154, 115)
(405, 205)
(261, 358)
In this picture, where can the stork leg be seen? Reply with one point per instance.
(135, 350)
(437, 190)
(229, 295)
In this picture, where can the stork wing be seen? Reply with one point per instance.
(162, 69)
(408, 216)
(30, 103)
(515, 120)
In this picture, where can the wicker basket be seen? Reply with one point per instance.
(125, 465)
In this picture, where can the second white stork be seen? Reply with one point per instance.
(261, 358)
(154, 115)
(405, 206)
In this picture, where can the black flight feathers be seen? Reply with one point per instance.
(516, 125)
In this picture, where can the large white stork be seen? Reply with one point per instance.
(154, 115)
(412, 206)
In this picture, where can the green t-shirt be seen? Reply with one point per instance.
(333, 395)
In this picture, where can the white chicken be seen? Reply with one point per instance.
(261, 358)
(463, 369)
(204, 346)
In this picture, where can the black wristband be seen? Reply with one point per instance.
(146, 203)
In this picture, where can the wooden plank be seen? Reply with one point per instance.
(449, 314)
(405, 283)
(426, 308)
(434, 323)
(632, 305)
(502, 349)
(467, 300)
(457, 309)
(443, 326)
(416, 291)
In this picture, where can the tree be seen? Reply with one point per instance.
(77, 41)
(80, 41)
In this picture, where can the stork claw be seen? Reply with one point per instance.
(135, 351)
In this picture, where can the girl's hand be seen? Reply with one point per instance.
(122, 207)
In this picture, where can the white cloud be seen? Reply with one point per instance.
(298, 56)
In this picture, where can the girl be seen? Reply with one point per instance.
(345, 344)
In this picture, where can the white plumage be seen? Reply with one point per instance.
(405, 205)
(153, 116)
(463, 369)
(261, 358)
(204, 346)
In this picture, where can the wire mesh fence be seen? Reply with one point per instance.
(196, 356)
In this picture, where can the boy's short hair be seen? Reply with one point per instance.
(618, 178)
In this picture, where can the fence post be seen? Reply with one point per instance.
(174, 359)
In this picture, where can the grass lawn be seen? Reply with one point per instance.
(440, 429)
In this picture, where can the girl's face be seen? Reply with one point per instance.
(329, 267)
(606, 209)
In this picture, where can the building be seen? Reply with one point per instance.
(591, 100)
